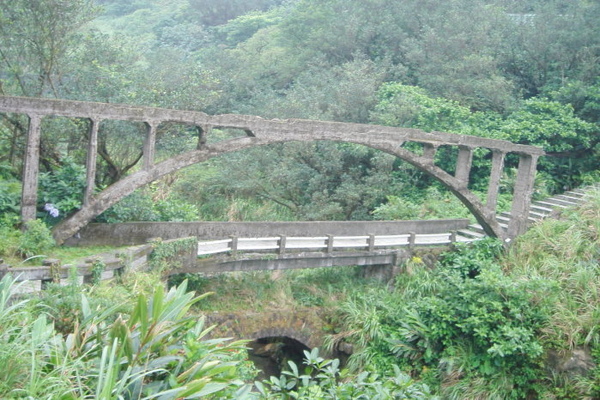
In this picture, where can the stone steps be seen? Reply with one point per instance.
(539, 210)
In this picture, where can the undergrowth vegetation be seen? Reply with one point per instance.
(146, 348)
(485, 324)
(263, 290)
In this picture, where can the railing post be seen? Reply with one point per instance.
(53, 266)
(329, 244)
(494, 183)
(429, 151)
(202, 132)
(411, 240)
(282, 243)
(522, 195)
(371, 242)
(3, 268)
(463, 165)
(452, 238)
(233, 245)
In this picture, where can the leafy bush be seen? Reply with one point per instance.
(36, 240)
(10, 196)
(476, 327)
(63, 188)
(10, 241)
(468, 259)
(463, 323)
(323, 379)
(426, 204)
(139, 206)
(152, 350)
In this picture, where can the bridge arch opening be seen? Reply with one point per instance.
(270, 355)
(146, 175)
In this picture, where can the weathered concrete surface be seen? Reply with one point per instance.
(134, 233)
(304, 325)
(261, 132)
(269, 262)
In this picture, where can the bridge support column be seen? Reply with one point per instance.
(495, 176)
(522, 195)
(429, 151)
(202, 132)
(31, 168)
(90, 164)
(150, 144)
(463, 164)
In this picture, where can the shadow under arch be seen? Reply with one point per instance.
(270, 354)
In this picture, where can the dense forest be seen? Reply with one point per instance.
(479, 325)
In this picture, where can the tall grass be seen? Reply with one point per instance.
(479, 325)
(565, 252)
(153, 350)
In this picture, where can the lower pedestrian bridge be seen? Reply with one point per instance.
(217, 247)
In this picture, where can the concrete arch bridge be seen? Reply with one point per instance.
(258, 132)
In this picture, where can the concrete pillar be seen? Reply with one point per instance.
(234, 245)
(329, 244)
(202, 132)
(31, 168)
(150, 144)
(522, 195)
(494, 183)
(90, 164)
(282, 244)
(429, 151)
(371, 243)
(463, 164)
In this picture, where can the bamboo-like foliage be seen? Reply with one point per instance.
(157, 352)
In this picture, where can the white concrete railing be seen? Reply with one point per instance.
(281, 244)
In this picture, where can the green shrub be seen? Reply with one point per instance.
(10, 241)
(463, 323)
(153, 349)
(36, 240)
(10, 196)
(140, 206)
(63, 188)
(323, 379)
(469, 258)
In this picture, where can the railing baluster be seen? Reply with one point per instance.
(233, 245)
(282, 243)
(411, 240)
